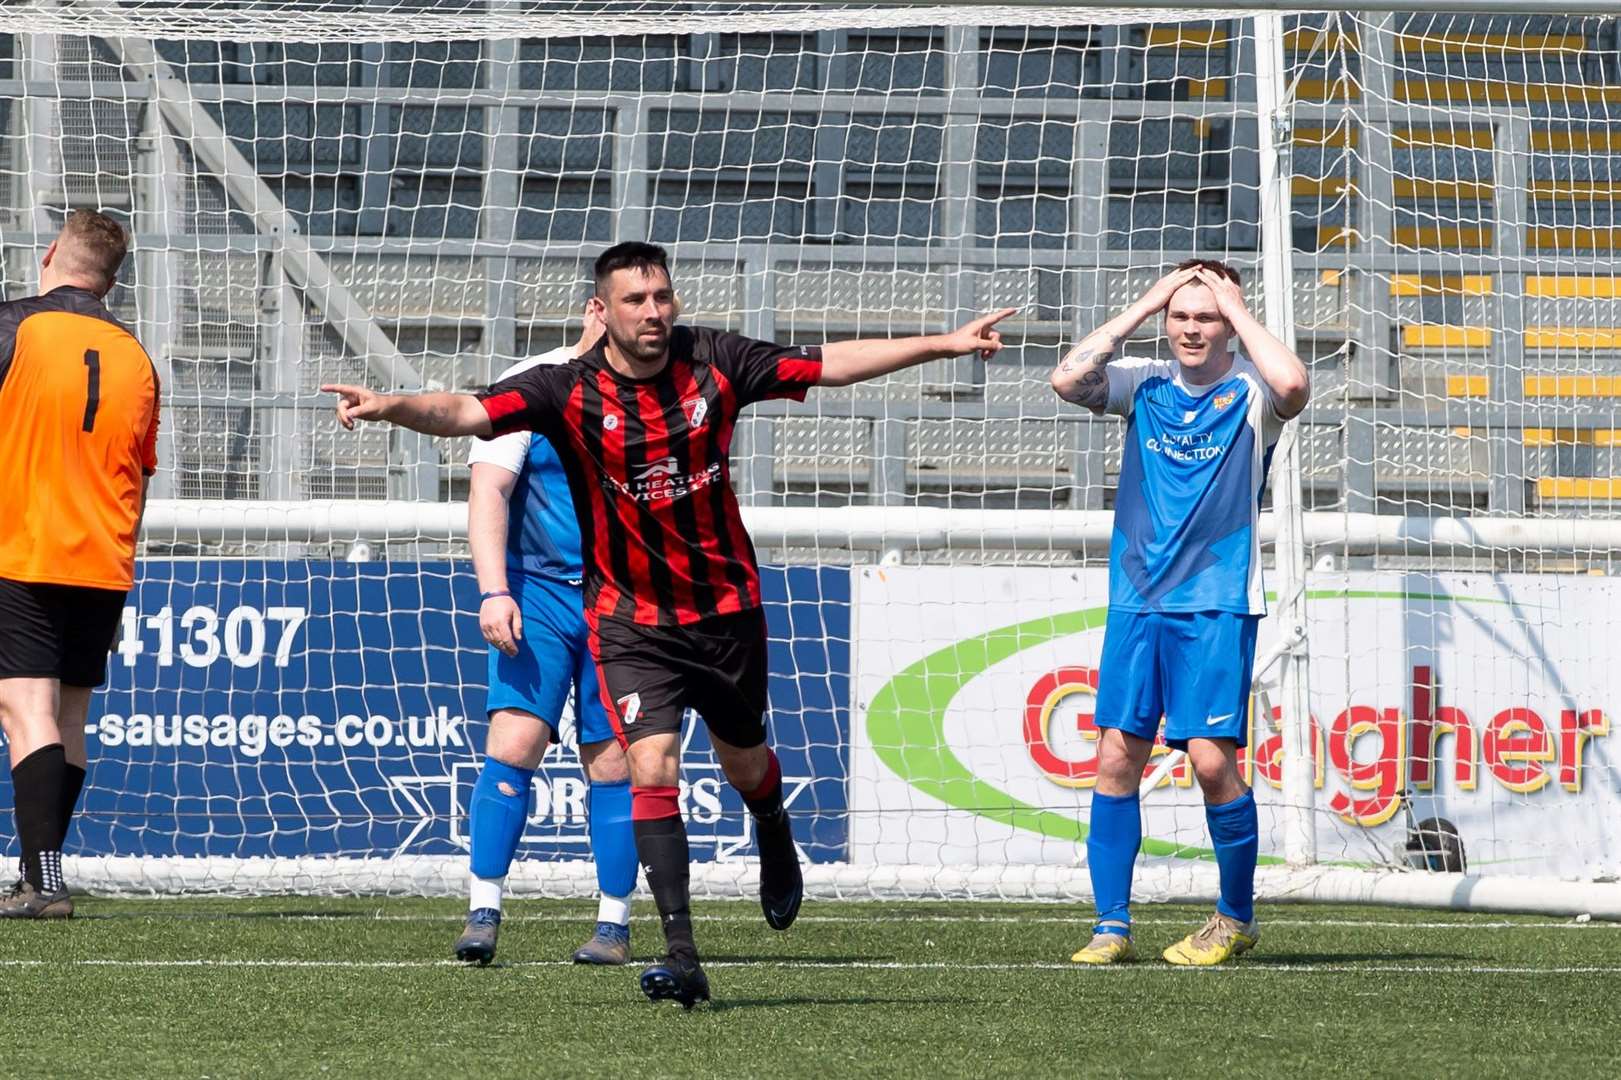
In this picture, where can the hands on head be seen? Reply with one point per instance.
(1229, 296)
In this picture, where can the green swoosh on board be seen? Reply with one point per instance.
(906, 720)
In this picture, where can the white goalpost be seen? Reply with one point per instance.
(1420, 197)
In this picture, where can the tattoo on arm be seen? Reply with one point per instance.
(436, 420)
(1093, 391)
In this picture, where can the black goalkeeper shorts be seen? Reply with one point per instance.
(61, 632)
(651, 674)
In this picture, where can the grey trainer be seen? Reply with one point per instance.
(477, 943)
(23, 901)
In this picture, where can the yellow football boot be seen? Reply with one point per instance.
(1216, 942)
(1108, 947)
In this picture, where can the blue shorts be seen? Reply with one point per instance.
(553, 656)
(1192, 668)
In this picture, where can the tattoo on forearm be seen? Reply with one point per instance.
(436, 420)
(1085, 366)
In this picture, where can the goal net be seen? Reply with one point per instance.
(409, 194)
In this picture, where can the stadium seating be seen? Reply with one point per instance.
(765, 206)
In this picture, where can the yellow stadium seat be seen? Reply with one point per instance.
(1563, 386)
(1573, 238)
(1182, 37)
(1435, 336)
(1573, 337)
(1491, 44)
(1576, 190)
(1579, 487)
(1437, 284)
(1573, 285)
(1571, 437)
(1540, 386)
(1482, 91)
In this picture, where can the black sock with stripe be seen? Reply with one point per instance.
(661, 845)
(36, 783)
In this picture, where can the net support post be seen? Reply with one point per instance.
(159, 211)
(1088, 455)
(889, 461)
(1277, 269)
(498, 220)
(281, 310)
(754, 445)
(45, 184)
(959, 374)
(630, 183)
(1511, 175)
(1373, 372)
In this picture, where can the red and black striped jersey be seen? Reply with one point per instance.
(647, 462)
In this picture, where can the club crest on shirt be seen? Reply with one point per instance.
(697, 410)
(1221, 401)
(610, 422)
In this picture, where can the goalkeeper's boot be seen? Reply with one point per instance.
(1111, 944)
(676, 978)
(1219, 940)
(23, 901)
(609, 946)
(782, 883)
(477, 943)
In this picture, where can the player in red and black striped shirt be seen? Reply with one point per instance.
(643, 424)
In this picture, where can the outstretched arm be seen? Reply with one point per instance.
(846, 362)
(431, 414)
(1285, 374)
(1081, 377)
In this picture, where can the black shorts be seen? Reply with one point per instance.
(653, 673)
(61, 632)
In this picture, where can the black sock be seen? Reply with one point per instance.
(36, 784)
(661, 845)
(72, 784)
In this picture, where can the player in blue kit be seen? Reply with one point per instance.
(526, 551)
(1184, 580)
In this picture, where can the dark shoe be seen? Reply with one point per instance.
(477, 943)
(609, 946)
(676, 978)
(23, 901)
(782, 883)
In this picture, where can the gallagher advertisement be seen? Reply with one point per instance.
(1484, 701)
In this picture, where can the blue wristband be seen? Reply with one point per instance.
(492, 594)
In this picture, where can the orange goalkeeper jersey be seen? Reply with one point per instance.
(78, 431)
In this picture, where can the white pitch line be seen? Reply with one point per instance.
(1014, 920)
(858, 965)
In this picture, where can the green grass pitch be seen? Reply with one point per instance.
(362, 988)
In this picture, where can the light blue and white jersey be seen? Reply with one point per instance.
(543, 535)
(1186, 515)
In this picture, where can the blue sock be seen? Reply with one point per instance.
(1235, 834)
(500, 805)
(1111, 853)
(613, 841)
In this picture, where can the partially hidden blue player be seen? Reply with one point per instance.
(526, 552)
(1184, 580)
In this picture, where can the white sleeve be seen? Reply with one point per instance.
(1124, 378)
(1271, 424)
(507, 451)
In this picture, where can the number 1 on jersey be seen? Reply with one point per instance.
(92, 360)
